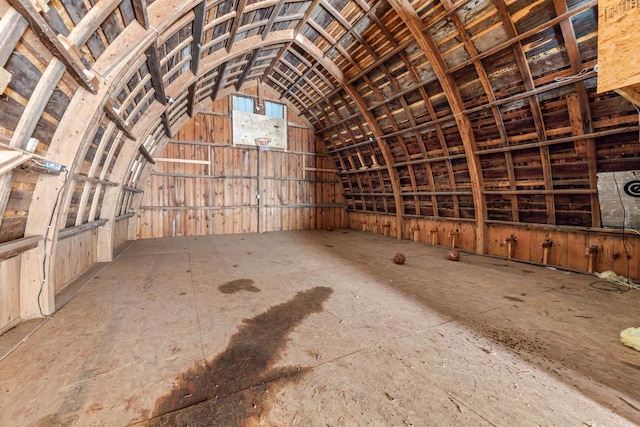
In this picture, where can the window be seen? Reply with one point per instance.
(273, 109)
(243, 103)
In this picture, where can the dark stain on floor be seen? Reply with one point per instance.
(234, 388)
(238, 285)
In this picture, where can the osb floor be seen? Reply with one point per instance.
(320, 328)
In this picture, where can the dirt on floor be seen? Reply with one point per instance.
(233, 388)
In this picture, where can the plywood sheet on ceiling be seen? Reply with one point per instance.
(618, 53)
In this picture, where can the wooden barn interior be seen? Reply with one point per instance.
(319, 212)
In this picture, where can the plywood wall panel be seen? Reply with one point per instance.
(9, 293)
(120, 232)
(75, 255)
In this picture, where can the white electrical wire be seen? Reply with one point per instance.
(46, 236)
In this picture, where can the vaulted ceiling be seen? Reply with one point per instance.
(482, 110)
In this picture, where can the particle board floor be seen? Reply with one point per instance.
(320, 328)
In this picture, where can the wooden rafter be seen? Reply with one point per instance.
(196, 45)
(153, 61)
(219, 80)
(140, 10)
(166, 123)
(272, 18)
(579, 109)
(488, 90)
(236, 24)
(46, 34)
(248, 67)
(114, 115)
(12, 26)
(519, 37)
(303, 21)
(534, 103)
(404, 9)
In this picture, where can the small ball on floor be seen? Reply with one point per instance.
(399, 258)
(453, 255)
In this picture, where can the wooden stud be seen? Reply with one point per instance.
(546, 245)
(511, 243)
(415, 230)
(434, 236)
(454, 236)
(591, 252)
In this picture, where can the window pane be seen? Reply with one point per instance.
(273, 109)
(243, 103)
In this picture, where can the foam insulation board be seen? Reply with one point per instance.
(619, 194)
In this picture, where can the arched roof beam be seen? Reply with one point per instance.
(371, 121)
(404, 9)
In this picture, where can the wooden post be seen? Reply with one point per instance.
(434, 236)
(453, 235)
(591, 252)
(511, 242)
(260, 197)
(416, 232)
(548, 243)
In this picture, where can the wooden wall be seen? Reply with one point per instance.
(568, 246)
(120, 232)
(9, 293)
(75, 255)
(201, 184)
